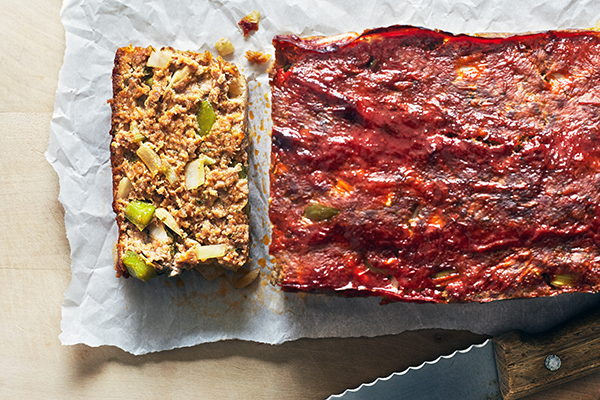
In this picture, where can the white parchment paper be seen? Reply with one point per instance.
(164, 313)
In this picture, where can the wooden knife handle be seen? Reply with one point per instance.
(520, 358)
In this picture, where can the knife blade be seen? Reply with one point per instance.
(507, 367)
(443, 378)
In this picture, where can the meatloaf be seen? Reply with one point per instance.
(179, 163)
(418, 165)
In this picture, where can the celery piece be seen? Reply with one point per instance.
(243, 174)
(563, 280)
(319, 212)
(138, 267)
(138, 136)
(444, 273)
(206, 117)
(139, 213)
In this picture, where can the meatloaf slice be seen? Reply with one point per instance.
(179, 162)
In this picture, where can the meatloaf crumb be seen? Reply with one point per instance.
(159, 106)
(257, 57)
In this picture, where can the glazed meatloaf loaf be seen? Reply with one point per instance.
(179, 163)
(418, 165)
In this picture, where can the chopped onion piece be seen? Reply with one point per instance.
(178, 75)
(169, 172)
(138, 137)
(236, 88)
(168, 219)
(124, 188)
(158, 232)
(210, 251)
(159, 59)
(194, 172)
(150, 158)
(246, 279)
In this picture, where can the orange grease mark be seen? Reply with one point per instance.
(262, 124)
(256, 153)
(258, 139)
(259, 84)
(262, 262)
(179, 282)
(251, 114)
(168, 284)
(266, 241)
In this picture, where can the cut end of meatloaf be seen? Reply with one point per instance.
(179, 163)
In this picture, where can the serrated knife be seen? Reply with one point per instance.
(506, 367)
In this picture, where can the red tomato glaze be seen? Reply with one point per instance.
(463, 168)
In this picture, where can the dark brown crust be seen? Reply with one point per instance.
(165, 112)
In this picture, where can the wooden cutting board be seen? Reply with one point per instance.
(35, 271)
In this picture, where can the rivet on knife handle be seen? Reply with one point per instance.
(552, 362)
(523, 361)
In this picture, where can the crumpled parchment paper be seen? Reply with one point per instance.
(164, 313)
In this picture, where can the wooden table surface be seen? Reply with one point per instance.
(35, 272)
